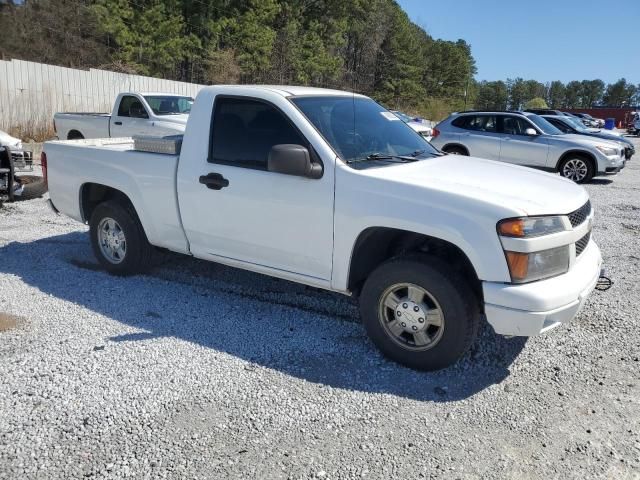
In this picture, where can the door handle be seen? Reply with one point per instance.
(214, 181)
(118, 123)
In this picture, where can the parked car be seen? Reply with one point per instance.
(571, 125)
(22, 159)
(633, 123)
(133, 114)
(329, 189)
(547, 111)
(527, 139)
(423, 127)
(589, 121)
(14, 161)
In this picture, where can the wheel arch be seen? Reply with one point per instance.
(75, 135)
(93, 194)
(578, 153)
(376, 245)
(456, 145)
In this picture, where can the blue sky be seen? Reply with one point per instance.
(540, 39)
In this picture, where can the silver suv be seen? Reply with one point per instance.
(527, 139)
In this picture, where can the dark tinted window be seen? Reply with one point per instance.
(514, 125)
(245, 130)
(129, 104)
(559, 124)
(481, 123)
(459, 122)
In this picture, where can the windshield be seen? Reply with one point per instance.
(543, 125)
(577, 124)
(169, 104)
(358, 127)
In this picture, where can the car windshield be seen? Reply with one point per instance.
(169, 104)
(358, 128)
(577, 124)
(543, 125)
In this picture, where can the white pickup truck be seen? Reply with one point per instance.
(133, 114)
(329, 189)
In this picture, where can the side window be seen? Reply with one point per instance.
(125, 105)
(482, 123)
(460, 122)
(560, 125)
(245, 130)
(515, 125)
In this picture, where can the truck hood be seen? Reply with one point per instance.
(518, 190)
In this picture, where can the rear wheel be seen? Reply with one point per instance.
(454, 150)
(419, 312)
(578, 169)
(118, 239)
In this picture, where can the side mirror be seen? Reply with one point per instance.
(531, 132)
(137, 111)
(293, 159)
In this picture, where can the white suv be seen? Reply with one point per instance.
(527, 139)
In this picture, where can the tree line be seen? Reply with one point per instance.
(515, 94)
(369, 46)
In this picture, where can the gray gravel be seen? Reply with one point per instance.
(202, 371)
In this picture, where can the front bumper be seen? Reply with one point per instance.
(533, 308)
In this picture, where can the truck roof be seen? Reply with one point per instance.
(286, 90)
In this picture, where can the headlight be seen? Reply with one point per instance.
(528, 267)
(527, 227)
(532, 266)
(608, 151)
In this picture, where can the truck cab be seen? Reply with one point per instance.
(132, 114)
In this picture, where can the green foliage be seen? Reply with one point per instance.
(537, 102)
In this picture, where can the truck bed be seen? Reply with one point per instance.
(148, 179)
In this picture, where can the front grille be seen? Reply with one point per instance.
(580, 215)
(582, 244)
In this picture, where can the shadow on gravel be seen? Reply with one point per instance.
(600, 181)
(300, 331)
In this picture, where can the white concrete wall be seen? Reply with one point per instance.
(30, 93)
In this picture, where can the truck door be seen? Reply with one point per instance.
(266, 219)
(131, 118)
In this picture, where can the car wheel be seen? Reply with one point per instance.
(419, 312)
(455, 151)
(578, 169)
(118, 239)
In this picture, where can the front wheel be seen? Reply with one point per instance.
(419, 312)
(118, 239)
(578, 169)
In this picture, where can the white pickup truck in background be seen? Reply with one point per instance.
(329, 189)
(133, 114)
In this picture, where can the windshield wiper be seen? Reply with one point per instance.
(384, 157)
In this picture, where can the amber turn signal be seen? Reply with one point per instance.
(518, 265)
(512, 228)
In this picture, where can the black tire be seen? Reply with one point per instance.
(454, 297)
(139, 252)
(455, 150)
(590, 169)
(32, 187)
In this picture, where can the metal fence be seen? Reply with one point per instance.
(30, 93)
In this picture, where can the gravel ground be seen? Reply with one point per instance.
(201, 371)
